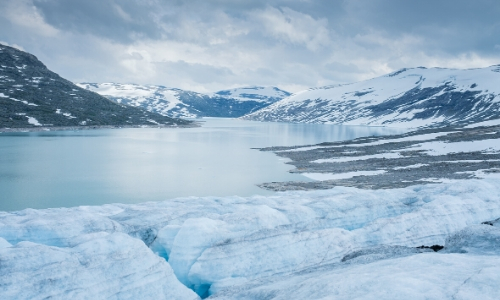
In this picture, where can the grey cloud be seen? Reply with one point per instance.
(395, 15)
(136, 56)
(214, 44)
(123, 20)
(342, 67)
(200, 73)
(447, 25)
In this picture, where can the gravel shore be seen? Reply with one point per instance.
(419, 157)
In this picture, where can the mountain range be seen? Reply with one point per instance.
(415, 97)
(33, 96)
(179, 103)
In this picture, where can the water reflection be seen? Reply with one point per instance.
(69, 168)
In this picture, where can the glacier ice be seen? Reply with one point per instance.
(477, 239)
(60, 227)
(4, 243)
(111, 266)
(344, 242)
(422, 276)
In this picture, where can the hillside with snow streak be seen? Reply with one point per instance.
(409, 98)
(33, 96)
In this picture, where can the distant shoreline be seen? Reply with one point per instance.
(73, 128)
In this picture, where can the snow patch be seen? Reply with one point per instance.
(33, 121)
(24, 102)
(328, 176)
(444, 148)
(415, 166)
(485, 123)
(355, 158)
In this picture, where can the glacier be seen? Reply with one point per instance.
(341, 243)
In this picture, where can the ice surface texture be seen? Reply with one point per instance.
(113, 266)
(422, 276)
(286, 246)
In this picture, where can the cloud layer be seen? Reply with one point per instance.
(207, 45)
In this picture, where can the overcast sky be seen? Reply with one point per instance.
(208, 45)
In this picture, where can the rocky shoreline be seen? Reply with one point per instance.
(73, 128)
(418, 157)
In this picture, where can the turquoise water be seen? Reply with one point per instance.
(94, 167)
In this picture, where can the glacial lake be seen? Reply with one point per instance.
(95, 167)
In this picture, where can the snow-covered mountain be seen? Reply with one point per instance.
(411, 98)
(180, 103)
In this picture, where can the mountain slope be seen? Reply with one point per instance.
(415, 97)
(31, 95)
(179, 103)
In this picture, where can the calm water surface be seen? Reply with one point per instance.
(94, 167)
